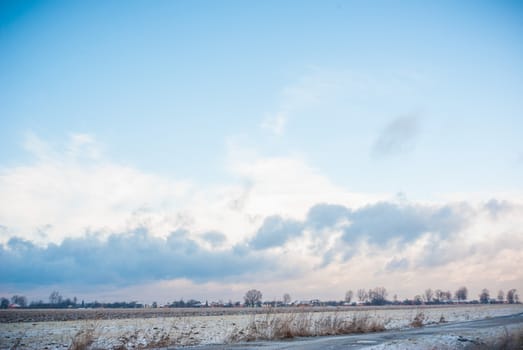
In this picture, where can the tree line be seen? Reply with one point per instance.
(57, 301)
(378, 296)
(254, 298)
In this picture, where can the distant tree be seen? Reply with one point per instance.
(286, 298)
(484, 297)
(378, 296)
(428, 295)
(418, 300)
(439, 296)
(348, 296)
(461, 294)
(362, 295)
(512, 296)
(193, 303)
(55, 298)
(253, 297)
(4, 304)
(19, 300)
(447, 295)
(501, 296)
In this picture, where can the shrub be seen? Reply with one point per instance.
(418, 320)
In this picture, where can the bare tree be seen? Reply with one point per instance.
(19, 300)
(55, 298)
(501, 296)
(512, 296)
(378, 296)
(286, 298)
(428, 295)
(484, 297)
(362, 295)
(439, 296)
(447, 295)
(348, 296)
(461, 294)
(253, 297)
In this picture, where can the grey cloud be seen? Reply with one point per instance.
(326, 215)
(378, 223)
(397, 137)
(134, 257)
(123, 259)
(275, 231)
(381, 222)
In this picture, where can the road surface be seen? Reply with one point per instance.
(361, 341)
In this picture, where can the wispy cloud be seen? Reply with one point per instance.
(399, 136)
(308, 91)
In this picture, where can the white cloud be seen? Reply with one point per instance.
(65, 192)
(308, 91)
(321, 92)
(73, 190)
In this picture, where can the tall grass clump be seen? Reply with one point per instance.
(418, 320)
(83, 339)
(271, 326)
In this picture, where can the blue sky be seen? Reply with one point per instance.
(162, 116)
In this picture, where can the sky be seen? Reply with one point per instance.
(159, 150)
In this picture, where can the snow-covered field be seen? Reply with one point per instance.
(219, 329)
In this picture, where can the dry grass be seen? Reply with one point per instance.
(83, 339)
(418, 320)
(180, 333)
(273, 326)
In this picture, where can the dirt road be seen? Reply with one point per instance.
(460, 332)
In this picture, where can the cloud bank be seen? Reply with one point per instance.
(122, 259)
(74, 218)
(428, 236)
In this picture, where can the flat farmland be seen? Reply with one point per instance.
(169, 328)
